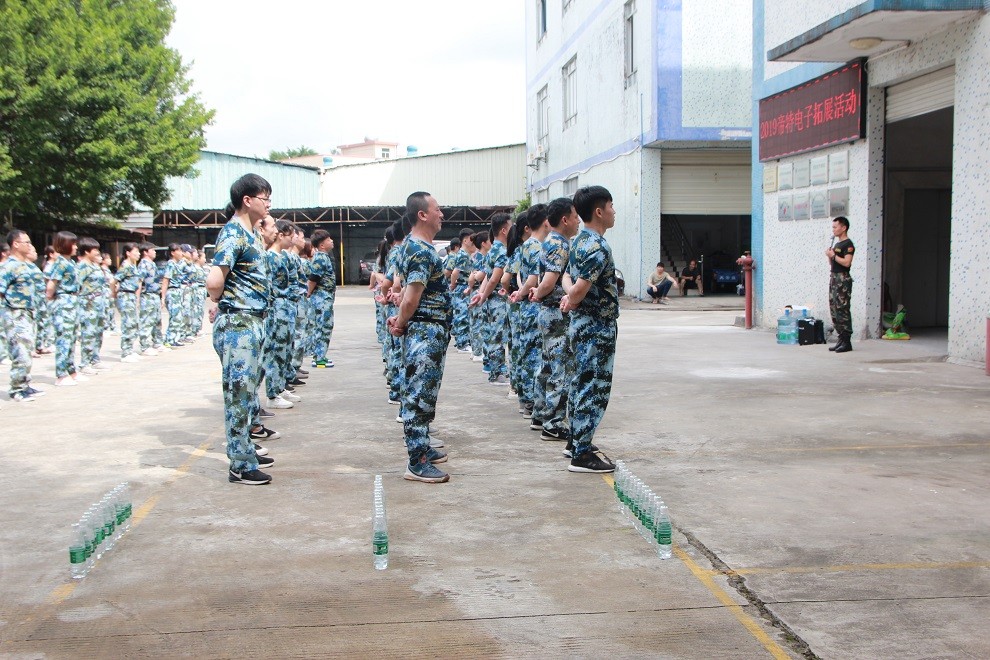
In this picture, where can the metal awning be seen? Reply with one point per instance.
(879, 25)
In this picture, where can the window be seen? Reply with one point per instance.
(570, 92)
(542, 196)
(386, 152)
(630, 51)
(542, 118)
(541, 19)
(570, 186)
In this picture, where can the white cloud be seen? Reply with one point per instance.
(436, 73)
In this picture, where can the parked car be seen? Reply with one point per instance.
(366, 264)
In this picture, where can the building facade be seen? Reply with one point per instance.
(651, 99)
(911, 178)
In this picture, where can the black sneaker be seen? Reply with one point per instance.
(589, 461)
(262, 433)
(289, 388)
(301, 373)
(249, 477)
(264, 414)
(536, 424)
(569, 449)
(556, 434)
(265, 462)
(295, 382)
(259, 450)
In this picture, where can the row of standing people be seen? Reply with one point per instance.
(70, 302)
(274, 293)
(536, 301)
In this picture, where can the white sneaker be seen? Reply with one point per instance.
(512, 394)
(436, 443)
(79, 378)
(399, 419)
(99, 366)
(65, 381)
(130, 358)
(150, 352)
(290, 396)
(279, 403)
(88, 370)
(477, 358)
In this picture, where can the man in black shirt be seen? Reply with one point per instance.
(840, 257)
(691, 274)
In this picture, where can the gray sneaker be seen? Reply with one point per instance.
(501, 379)
(426, 472)
(436, 456)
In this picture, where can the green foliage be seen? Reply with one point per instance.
(95, 110)
(292, 153)
(523, 204)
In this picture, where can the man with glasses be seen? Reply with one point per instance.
(238, 283)
(20, 280)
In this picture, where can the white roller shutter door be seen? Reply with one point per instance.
(705, 182)
(927, 93)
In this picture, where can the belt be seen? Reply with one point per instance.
(128, 291)
(417, 318)
(249, 312)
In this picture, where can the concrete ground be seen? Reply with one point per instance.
(824, 506)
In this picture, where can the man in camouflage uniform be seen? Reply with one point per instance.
(129, 283)
(151, 301)
(423, 323)
(840, 257)
(280, 324)
(393, 345)
(172, 297)
(593, 303)
(19, 283)
(494, 302)
(460, 269)
(476, 315)
(297, 294)
(530, 343)
(238, 283)
(92, 304)
(322, 289)
(197, 301)
(550, 412)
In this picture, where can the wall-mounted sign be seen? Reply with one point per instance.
(784, 209)
(838, 201)
(824, 111)
(819, 170)
(838, 166)
(819, 204)
(769, 178)
(785, 176)
(802, 206)
(802, 173)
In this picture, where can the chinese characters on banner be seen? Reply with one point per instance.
(821, 112)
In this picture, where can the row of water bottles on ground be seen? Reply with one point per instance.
(647, 511)
(99, 529)
(379, 527)
(798, 326)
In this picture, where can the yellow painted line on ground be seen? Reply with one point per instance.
(706, 578)
(62, 592)
(860, 568)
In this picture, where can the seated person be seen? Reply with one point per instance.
(691, 274)
(658, 285)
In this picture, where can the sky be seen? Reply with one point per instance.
(436, 74)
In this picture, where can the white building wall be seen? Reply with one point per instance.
(479, 177)
(794, 267)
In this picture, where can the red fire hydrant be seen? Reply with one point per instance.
(746, 261)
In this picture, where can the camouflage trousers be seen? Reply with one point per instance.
(44, 331)
(380, 329)
(461, 328)
(393, 360)
(550, 390)
(19, 327)
(840, 287)
(496, 329)
(476, 323)
(151, 320)
(530, 351)
(127, 305)
(197, 306)
(237, 339)
(92, 312)
(322, 329)
(65, 318)
(592, 343)
(187, 311)
(4, 350)
(107, 312)
(424, 351)
(280, 326)
(176, 318)
(512, 350)
(299, 341)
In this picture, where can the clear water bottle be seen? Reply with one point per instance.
(95, 518)
(786, 325)
(109, 514)
(379, 527)
(663, 531)
(78, 564)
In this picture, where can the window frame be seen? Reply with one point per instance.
(569, 85)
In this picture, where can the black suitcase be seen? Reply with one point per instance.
(811, 331)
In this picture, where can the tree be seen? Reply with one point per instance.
(95, 109)
(292, 153)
